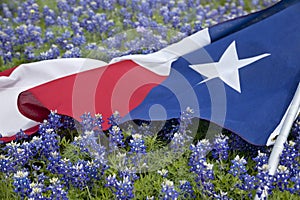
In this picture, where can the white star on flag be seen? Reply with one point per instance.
(227, 69)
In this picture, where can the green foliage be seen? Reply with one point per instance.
(6, 188)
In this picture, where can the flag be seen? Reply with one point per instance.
(240, 74)
(21, 78)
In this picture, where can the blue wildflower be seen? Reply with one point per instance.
(116, 137)
(220, 147)
(123, 189)
(289, 157)
(137, 144)
(265, 185)
(22, 183)
(261, 159)
(186, 190)
(57, 189)
(168, 191)
(36, 191)
(238, 167)
(282, 177)
(72, 53)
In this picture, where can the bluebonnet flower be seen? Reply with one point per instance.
(123, 3)
(179, 141)
(182, 5)
(238, 167)
(289, 157)
(265, 182)
(137, 144)
(164, 11)
(88, 25)
(28, 12)
(114, 119)
(41, 178)
(201, 149)
(176, 22)
(220, 147)
(98, 121)
(78, 11)
(295, 189)
(197, 25)
(22, 183)
(34, 34)
(47, 130)
(49, 16)
(63, 5)
(79, 142)
(52, 53)
(186, 28)
(19, 154)
(75, 25)
(6, 11)
(62, 21)
(36, 144)
(36, 191)
(29, 53)
(6, 164)
(50, 142)
(72, 53)
(78, 39)
(123, 189)
(78, 176)
(282, 177)
(168, 191)
(63, 40)
(21, 135)
(261, 159)
(57, 190)
(108, 5)
(22, 32)
(7, 57)
(186, 190)
(128, 171)
(143, 20)
(87, 122)
(200, 167)
(182, 137)
(49, 21)
(116, 137)
(49, 35)
(54, 160)
(185, 119)
(54, 121)
(248, 183)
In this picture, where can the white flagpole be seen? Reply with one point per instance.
(283, 135)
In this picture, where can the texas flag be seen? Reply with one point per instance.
(240, 74)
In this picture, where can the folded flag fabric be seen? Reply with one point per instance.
(240, 74)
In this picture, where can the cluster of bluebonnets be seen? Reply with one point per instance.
(66, 156)
(38, 30)
(78, 160)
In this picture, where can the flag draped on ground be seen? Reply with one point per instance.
(240, 74)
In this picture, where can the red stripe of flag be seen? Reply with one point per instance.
(118, 87)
